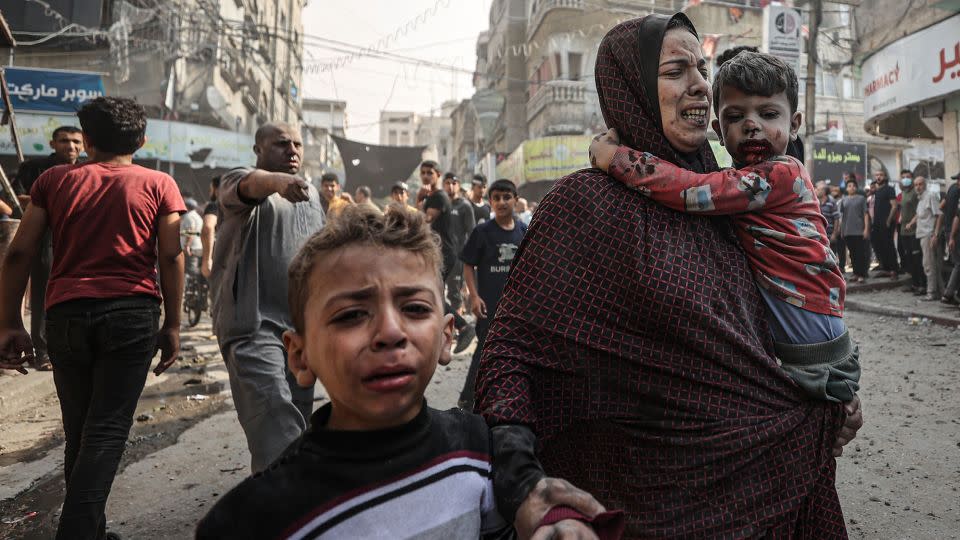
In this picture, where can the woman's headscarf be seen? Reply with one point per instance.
(626, 74)
(632, 340)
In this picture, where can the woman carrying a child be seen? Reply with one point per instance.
(633, 341)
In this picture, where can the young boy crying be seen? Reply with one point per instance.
(376, 462)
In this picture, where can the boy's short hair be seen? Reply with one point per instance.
(756, 74)
(430, 164)
(329, 177)
(366, 191)
(726, 55)
(503, 185)
(451, 177)
(360, 225)
(907, 171)
(65, 129)
(851, 181)
(399, 187)
(114, 125)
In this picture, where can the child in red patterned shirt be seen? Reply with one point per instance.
(775, 213)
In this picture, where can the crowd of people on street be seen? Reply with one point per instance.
(659, 336)
(908, 229)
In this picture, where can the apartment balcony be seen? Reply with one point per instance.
(539, 9)
(557, 108)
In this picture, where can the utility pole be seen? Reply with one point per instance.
(810, 106)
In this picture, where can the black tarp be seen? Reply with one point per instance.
(377, 167)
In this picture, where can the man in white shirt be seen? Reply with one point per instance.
(928, 209)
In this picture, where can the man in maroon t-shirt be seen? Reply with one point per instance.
(103, 299)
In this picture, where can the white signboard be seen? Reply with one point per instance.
(781, 34)
(916, 68)
(179, 142)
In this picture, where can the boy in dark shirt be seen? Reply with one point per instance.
(487, 257)
(376, 462)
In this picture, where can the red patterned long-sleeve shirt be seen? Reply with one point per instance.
(774, 210)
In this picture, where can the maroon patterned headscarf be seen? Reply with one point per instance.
(632, 340)
(626, 75)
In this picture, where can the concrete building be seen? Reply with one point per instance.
(911, 83)
(321, 119)
(501, 68)
(435, 133)
(208, 72)
(398, 128)
(562, 38)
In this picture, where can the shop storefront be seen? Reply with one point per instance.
(191, 153)
(912, 89)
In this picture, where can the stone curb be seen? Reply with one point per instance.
(877, 309)
(877, 285)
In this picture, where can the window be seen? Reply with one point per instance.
(392, 138)
(574, 60)
(851, 88)
(559, 63)
(830, 85)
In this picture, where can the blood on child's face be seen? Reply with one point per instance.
(375, 334)
(755, 128)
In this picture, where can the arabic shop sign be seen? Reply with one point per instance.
(50, 90)
(919, 67)
(200, 146)
(831, 160)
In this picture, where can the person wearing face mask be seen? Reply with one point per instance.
(911, 256)
(636, 369)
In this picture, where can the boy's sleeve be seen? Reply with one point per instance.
(761, 187)
(472, 250)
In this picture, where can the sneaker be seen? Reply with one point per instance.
(949, 300)
(929, 298)
(465, 338)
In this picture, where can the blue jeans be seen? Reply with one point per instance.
(101, 351)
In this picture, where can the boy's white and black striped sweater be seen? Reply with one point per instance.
(427, 479)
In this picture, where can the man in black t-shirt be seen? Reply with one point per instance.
(67, 145)
(884, 219)
(487, 258)
(481, 209)
(438, 209)
(461, 225)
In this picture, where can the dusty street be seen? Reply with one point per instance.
(899, 479)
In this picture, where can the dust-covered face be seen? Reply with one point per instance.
(682, 90)
(374, 335)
